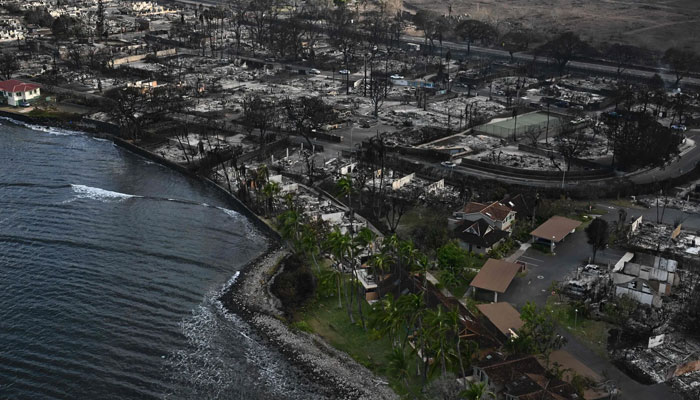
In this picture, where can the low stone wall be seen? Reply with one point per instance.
(233, 200)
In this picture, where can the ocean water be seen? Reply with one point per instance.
(110, 271)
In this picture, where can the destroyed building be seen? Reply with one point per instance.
(648, 279)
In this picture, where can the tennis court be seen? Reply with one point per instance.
(503, 127)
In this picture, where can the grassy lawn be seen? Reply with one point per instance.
(626, 203)
(41, 113)
(324, 318)
(458, 289)
(594, 334)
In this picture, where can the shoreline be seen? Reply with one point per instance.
(334, 372)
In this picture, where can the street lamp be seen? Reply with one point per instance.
(575, 317)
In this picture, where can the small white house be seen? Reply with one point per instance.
(15, 91)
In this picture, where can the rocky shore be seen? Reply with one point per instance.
(336, 374)
(339, 376)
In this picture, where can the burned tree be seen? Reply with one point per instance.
(259, 114)
(516, 41)
(342, 33)
(680, 61)
(624, 55)
(395, 206)
(377, 94)
(307, 114)
(533, 134)
(598, 234)
(570, 143)
(639, 140)
(8, 65)
(471, 29)
(564, 48)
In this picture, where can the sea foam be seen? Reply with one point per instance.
(89, 192)
(47, 129)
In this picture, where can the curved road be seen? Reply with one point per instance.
(687, 161)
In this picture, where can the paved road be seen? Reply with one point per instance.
(690, 220)
(578, 65)
(543, 269)
(676, 167)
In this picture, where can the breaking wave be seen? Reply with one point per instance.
(89, 192)
(47, 129)
(94, 193)
(214, 338)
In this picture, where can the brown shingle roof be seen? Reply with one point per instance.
(502, 315)
(556, 228)
(495, 275)
(496, 211)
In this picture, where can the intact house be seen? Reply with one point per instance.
(502, 319)
(496, 214)
(553, 231)
(479, 236)
(647, 280)
(495, 276)
(15, 91)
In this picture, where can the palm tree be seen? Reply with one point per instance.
(438, 327)
(339, 245)
(407, 255)
(412, 309)
(455, 323)
(398, 365)
(379, 263)
(477, 391)
(387, 319)
(345, 189)
(288, 223)
(308, 242)
(365, 237)
(269, 191)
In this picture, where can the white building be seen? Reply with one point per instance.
(15, 91)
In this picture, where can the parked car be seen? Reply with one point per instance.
(448, 164)
(344, 72)
(562, 104)
(396, 76)
(314, 71)
(681, 128)
(24, 103)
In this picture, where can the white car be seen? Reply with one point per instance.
(344, 72)
(448, 164)
(314, 71)
(681, 128)
(396, 76)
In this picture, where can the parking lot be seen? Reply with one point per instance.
(543, 268)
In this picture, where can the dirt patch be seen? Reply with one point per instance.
(656, 25)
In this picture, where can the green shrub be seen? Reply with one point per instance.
(302, 326)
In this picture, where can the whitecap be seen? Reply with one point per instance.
(89, 192)
(231, 213)
(46, 129)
